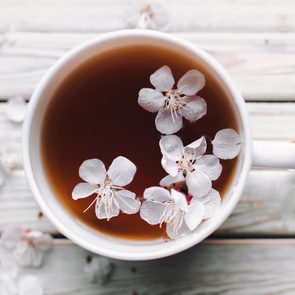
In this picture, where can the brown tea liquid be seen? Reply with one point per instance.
(95, 114)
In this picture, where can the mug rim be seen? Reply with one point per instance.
(241, 113)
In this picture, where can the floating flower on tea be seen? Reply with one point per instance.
(226, 144)
(173, 103)
(11, 284)
(27, 246)
(108, 186)
(189, 164)
(148, 14)
(211, 201)
(172, 208)
(169, 180)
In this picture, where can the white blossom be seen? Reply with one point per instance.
(148, 14)
(172, 104)
(211, 200)
(8, 279)
(226, 144)
(10, 156)
(108, 186)
(98, 269)
(27, 246)
(189, 164)
(16, 109)
(172, 208)
(11, 283)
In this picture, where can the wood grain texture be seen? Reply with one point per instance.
(266, 208)
(261, 64)
(186, 15)
(226, 267)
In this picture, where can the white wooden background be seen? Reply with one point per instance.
(254, 251)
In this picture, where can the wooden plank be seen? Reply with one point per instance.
(266, 208)
(186, 15)
(261, 64)
(272, 121)
(226, 267)
(17, 205)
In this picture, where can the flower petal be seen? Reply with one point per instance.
(8, 276)
(30, 285)
(148, 14)
(166, 124)
(180, 200)
(210, 165)
(121, 171)
(152, 211)
(191, 82)
(26, 254)
(160, 18)
(195, 215)
(169, 180)
(226, 144)
(195, 149)
(156, 193)
(42, 241)
(173, 234)
(194, 109)
(83, 190)
(105, 213)
(170, 166)
(98, 269)
(162, 79)
(92, 171)
(172, 146)
(11, 236)
(212, 204)
(150, 99)
(127, 202)
(198, 183)
(16, 109)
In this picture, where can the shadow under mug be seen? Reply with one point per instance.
(264, 154)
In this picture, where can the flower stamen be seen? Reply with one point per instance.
(185, 165)
(174, 101)
(173, 216)
(91, 204)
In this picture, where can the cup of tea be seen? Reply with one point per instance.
(86, 107)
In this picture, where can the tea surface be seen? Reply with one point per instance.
(95, 114)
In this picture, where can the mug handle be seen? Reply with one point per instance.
(273, 154)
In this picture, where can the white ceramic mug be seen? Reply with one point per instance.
(264, 153)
